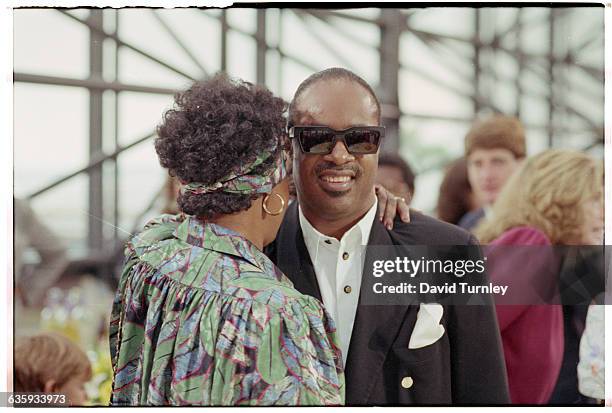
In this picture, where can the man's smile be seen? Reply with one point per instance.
(337, 180)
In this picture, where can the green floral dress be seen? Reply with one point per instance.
(202, 317)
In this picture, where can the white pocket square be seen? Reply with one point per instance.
(427, 329)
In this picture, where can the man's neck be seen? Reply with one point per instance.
(335, 227)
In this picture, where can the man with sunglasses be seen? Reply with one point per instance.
(334, 123)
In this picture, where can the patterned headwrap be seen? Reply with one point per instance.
(241, 180)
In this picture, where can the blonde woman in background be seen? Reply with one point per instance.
(555, 198)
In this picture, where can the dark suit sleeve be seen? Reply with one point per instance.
(477, 361)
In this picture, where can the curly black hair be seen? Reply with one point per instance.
(216, 125)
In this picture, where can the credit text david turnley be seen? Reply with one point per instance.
(412, 268)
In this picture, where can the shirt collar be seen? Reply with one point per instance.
(214, 237)
(363, 227)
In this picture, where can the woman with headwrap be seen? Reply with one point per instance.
(202, 316)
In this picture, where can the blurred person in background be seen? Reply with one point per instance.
(201, 315)
(396, 176)
(456, 197)
(553, 199)
(32, 282)
(582, 284)
(51, 363)
(494, 149)
(591, 368)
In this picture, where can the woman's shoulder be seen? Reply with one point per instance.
(213, 272)
(522, 235)
(155, 230)
(250, 276)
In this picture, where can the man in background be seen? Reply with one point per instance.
(494, 148)
(395, 175)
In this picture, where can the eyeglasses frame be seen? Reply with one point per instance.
(339, 136)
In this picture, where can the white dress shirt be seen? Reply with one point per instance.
(338, 266)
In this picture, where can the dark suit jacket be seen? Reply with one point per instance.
(465, 366)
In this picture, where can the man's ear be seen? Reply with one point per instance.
(50, 386)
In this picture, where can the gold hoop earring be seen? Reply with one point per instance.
(265, 206)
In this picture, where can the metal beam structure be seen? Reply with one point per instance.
(551, 74)
(179, 42)
(224, 30)
(94, 27)
(391, 23)
(116, 171)
(471, 55)
(95, 162)
(262, 48)
(91, 83)
(518, 33)
(95, 238)
(476, 61)
(302, 15)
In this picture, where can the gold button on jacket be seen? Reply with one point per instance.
(407, 382)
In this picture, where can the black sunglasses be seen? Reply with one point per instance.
(320, 140)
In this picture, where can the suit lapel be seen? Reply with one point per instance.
(374, 331)
(292, 255)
